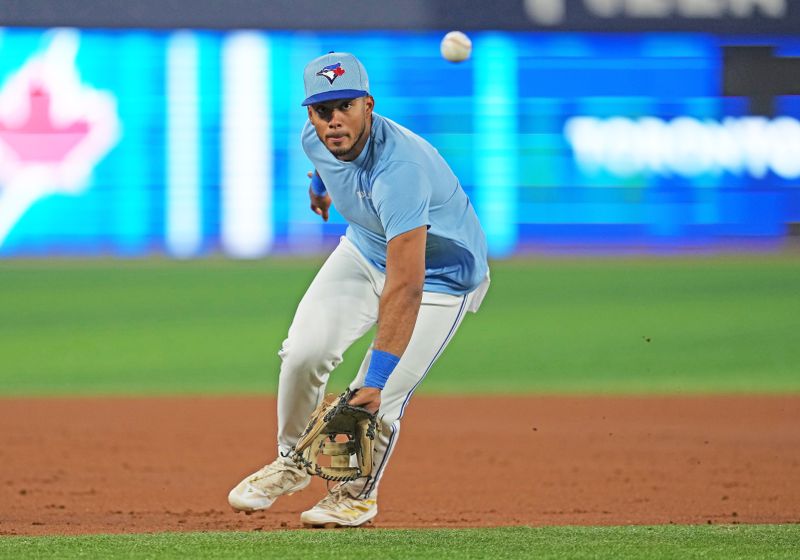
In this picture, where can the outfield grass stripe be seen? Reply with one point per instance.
(699, 325)
(751, 542)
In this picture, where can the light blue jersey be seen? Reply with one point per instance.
(399, 182)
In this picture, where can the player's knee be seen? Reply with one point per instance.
(310, 360)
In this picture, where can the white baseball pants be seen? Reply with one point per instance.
(339, 307)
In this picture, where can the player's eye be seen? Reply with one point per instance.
(345, 106)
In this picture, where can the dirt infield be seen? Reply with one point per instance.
(74, 466)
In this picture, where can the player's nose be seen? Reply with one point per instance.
(336, 118)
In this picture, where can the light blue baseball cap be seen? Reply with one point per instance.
(336, 75)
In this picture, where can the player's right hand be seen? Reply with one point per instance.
(367, 397)
(319, 204)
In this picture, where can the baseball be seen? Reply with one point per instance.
(456, 46)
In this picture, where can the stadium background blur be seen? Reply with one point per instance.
(601, 129)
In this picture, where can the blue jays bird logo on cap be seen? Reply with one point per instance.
(352, 82)
(331, 72)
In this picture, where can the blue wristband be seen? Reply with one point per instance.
(381, 366)
(317, 186)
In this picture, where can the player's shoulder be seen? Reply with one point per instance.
(308, 131)
(311, 143)
(397, 143)
(386, 129)
(399, 154)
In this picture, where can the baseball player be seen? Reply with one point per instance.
(412, 261)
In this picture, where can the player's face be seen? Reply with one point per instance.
(343, 125)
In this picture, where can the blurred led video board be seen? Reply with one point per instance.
(186, 143)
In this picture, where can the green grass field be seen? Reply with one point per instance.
(734, 542)
(724, 324)
(673, 325)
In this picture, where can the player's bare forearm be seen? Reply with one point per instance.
(399, 304)
(397, 316)
(402, 292)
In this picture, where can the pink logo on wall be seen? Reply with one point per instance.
(54, 129)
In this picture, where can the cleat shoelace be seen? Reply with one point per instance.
(339, 498)
(335, 497)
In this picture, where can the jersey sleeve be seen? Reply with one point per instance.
(401, 194)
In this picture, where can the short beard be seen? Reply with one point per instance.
(340, 153)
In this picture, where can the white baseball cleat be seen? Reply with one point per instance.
(260, 489)
(340, 509)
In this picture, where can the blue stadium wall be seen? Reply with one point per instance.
(561, 140)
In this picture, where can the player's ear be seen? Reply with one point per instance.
(369, 104)
(310, 112)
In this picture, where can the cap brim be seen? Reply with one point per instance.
(334, 94)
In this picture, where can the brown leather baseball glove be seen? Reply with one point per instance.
(336, 432)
